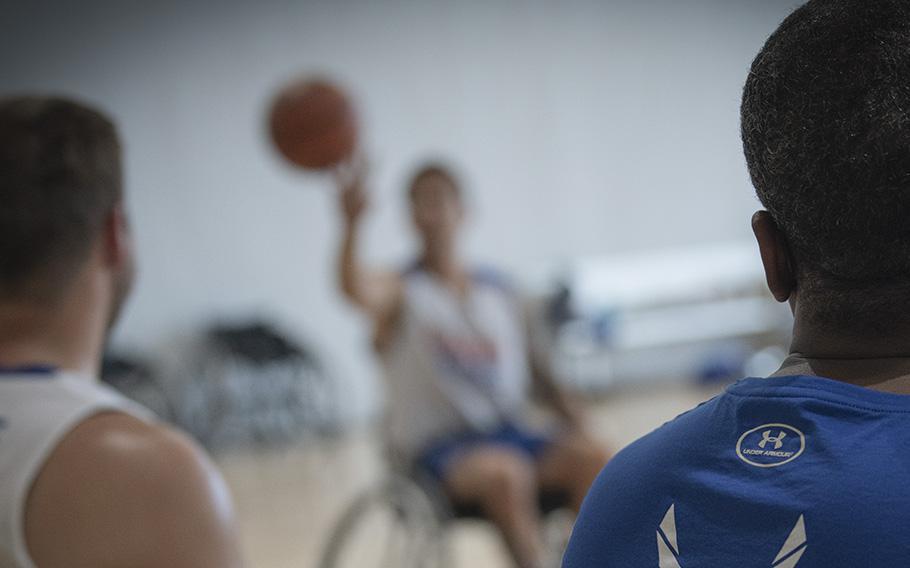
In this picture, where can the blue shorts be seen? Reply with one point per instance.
(436, 458)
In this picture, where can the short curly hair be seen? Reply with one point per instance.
(826, 134)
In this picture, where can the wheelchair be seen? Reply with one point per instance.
(403, 521)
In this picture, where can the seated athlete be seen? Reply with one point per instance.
(453, 343)
(807, 468)
(87, 479)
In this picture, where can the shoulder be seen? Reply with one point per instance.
(494, 278)
(672, 444)
(137, 490)
(634, 490)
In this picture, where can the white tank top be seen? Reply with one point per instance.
(38, 408)
(455, 364)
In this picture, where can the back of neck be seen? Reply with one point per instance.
(880, 363)
(68, 335)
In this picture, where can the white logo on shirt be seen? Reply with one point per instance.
(668, 548)
(760, 447)
(766, 437)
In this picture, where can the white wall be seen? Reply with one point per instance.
(587, 126)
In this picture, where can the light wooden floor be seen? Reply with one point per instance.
(287, 500)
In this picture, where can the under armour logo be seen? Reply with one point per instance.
(668, 546)
(767, 437)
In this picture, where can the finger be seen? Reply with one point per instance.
(348, 179)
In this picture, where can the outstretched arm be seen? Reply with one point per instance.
(375, 292)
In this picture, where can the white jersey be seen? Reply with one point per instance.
(455, 364)
(37, 409)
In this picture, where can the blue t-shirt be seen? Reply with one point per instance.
(783, 472)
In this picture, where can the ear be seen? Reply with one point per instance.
(118, 244)
(775, 256)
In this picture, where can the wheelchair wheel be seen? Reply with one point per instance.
(394, 525)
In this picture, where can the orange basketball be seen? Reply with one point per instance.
(313, 124)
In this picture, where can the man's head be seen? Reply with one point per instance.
(826, 132)
(60, 202)
(437, 205)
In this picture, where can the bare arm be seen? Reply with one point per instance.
(120, 492)
(376, 292)
(554, 394)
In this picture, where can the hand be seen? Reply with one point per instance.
(349, 177)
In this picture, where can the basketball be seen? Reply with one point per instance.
(313, 124)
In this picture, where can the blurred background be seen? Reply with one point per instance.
(600, 142)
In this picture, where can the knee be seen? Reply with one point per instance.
(510, 478)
